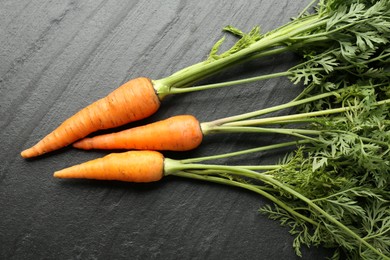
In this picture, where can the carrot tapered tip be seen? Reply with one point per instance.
(69, 173)
(57, 174)
(84, 144)
(60, 174)
(28, 153)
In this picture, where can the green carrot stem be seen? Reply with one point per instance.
(197, 175)
(246, 151)
(277, 38)
(226, 120)
(301, 133)
(275, 120)
(234, 121)
(258, 167)
(304, 10)
(229, 83)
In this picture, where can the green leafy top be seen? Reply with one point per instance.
(333, 189)
(337, 33)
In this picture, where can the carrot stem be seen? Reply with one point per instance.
(209, 125)
(199, 176)
(277, 119)
(247, 151)
(301, 133)
(276, 40)
(229, 83)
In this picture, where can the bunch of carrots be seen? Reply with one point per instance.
(343, 69)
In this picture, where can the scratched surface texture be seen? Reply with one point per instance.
(58, 56)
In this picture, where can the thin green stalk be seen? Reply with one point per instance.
(304, 10)
(297, 132)
(295, 46)
(226, 120)
(238, 119)
(328, 32)
(259, 167)
(249, 129)
(300, 133)
(199, 176)
(229, 83)
(377, 234)
(275, 120)
(242, 152)
(296, 117)
(172, 166)
(299, 121)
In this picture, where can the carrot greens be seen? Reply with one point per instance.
(336, 35)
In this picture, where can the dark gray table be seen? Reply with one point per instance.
(58, 56)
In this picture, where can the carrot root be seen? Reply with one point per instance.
(178, 133)
(132, 166)
(134, 100)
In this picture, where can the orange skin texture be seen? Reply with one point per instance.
(132, 166)
(178, 133)
(134, 100)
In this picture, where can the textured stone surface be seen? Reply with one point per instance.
(58, 56)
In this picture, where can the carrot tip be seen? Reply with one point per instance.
(62, 174)
(28, 153)
(57, 174)
(81, 144)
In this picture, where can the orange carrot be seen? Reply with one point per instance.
(132, 166)
(178, 133)
(134, 100)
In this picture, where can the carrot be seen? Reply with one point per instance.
(178, 133)
(134, 100)
(132, 166)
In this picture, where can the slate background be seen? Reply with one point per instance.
(58, 56)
